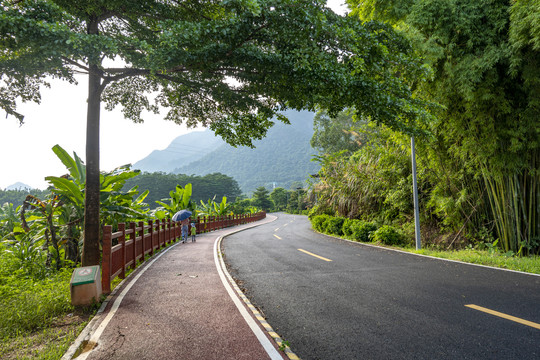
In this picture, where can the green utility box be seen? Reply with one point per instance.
(85, 285)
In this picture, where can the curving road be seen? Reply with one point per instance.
(333, 299)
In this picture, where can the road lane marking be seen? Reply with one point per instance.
(276, 229)
(277, 236)
(312, 254)
(504, 316)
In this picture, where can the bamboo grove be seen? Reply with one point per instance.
(479, 156)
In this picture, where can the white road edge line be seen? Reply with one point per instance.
(429, 256)
(92, 332)
(261, 336)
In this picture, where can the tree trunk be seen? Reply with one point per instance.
(90, 252)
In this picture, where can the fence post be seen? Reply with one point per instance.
(106, 261)
(133, 228)
(164, 231)
(122, 242)
(141, 233)
(151, 228)
(158, 229)
(169, 237)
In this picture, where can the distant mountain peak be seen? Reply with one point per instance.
(282, 158)
(19, 186)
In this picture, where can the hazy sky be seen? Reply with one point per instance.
(26, 151)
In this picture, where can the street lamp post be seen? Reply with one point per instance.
(415, 196)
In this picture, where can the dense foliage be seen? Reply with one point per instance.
(204, 187)
(478, 166)
(335, 134)
(16, 197)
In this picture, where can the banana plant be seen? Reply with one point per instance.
(207, 209)
(43, 214)
(222, 208)
(115, 205)
(8, 219)
(179, 199)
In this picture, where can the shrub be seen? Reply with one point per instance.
(318, 222)
(334, 225)
(360, 230)
(387, 235)
(347, 227)
(319, 210)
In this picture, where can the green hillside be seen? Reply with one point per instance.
(280, 159)
(182, 151)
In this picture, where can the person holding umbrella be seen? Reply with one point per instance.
(185, 227)
(183, 217)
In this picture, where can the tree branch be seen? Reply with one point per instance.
(74, 63)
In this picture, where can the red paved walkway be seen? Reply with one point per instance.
(178, 309)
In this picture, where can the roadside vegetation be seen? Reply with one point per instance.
(372, 233)
(40, 245)
(478, 158)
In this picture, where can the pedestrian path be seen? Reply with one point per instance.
(178, 306)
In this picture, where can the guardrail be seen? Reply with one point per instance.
(136, 241)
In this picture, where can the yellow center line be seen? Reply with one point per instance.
(277, 236)
(504, 316)
(312, 254)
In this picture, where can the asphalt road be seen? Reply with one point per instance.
(372, 303)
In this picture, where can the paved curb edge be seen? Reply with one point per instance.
(281, 344)
(87, 333)
(427, 256)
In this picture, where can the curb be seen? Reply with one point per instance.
(427, 256)
(269, 330)
(83, 344)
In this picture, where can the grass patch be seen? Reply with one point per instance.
(48, 343)
(37, 320)
(529, 264)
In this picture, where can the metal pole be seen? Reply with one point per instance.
(415, 196)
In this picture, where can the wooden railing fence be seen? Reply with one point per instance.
(136, 241)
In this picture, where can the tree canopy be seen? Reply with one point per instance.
(229, 65)
(485, 144)
(337, 134)
(204, 187)
(261, 199)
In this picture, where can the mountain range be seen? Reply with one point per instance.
(281, 159)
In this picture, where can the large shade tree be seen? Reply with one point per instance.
(486, 61)
(230, 65)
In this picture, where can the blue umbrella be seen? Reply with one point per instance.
(181, 215)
